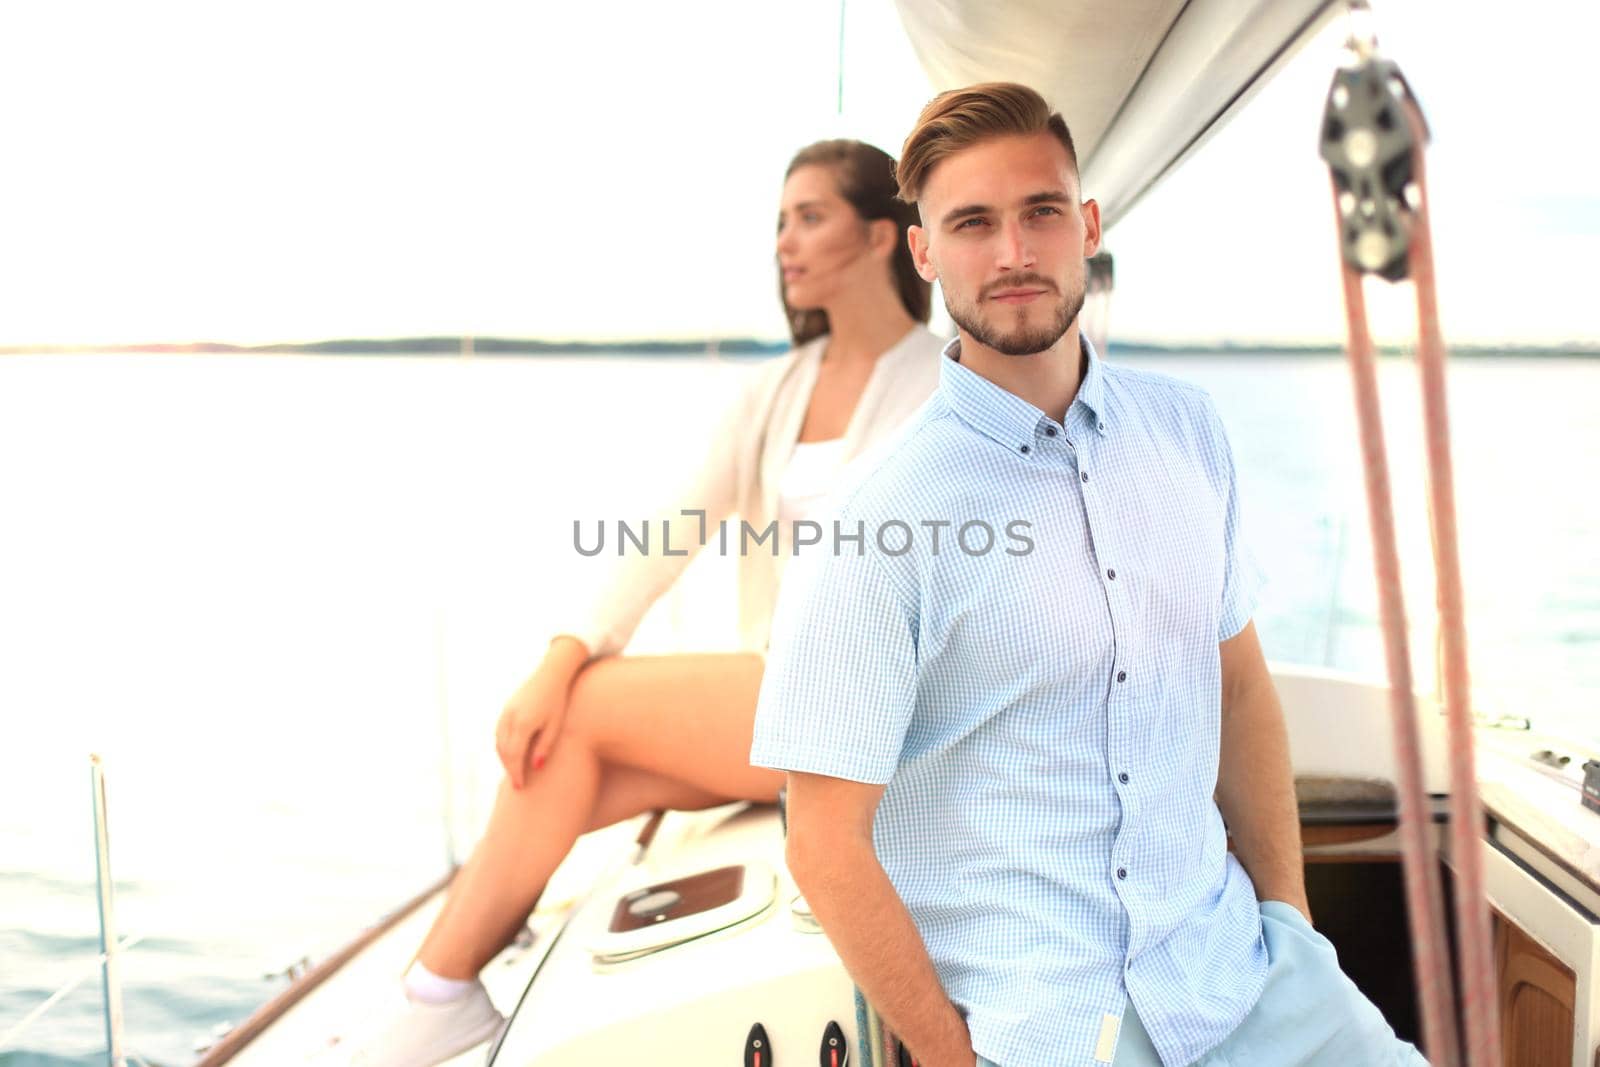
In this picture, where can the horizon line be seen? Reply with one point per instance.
(431, 344)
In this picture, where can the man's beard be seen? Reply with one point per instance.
(1017, 341)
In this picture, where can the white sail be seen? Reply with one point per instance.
(1142, 83)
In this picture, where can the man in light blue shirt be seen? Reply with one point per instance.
(1019, 691)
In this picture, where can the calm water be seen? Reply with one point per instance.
(285, 597)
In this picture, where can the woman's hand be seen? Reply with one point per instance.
(534, 715)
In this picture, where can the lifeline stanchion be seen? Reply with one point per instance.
(1372, 138)
(106, 892)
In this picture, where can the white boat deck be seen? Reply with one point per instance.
(705, 994)
(695, 1002)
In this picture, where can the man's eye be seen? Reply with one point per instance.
(811, 216)
(972, 222)
(1046, 208)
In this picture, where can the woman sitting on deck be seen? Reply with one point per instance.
(593, 737)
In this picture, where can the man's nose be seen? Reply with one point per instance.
(1016, 251)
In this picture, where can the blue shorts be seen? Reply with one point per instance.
(1309, 1014)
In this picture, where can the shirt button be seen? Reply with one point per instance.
(1112, 574)
(1123, 777)
(1085, 475)
(1122, 676)
(1024, 450)
(1122, 872)
(1049, 431)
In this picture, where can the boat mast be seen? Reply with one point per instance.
(839, 100)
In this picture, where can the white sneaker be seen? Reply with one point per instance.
(423, 1035)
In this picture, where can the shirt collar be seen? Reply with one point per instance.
(1005, 416)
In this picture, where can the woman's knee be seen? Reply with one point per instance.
(594, 700)
(588, 722)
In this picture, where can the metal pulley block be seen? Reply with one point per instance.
(1368, 143)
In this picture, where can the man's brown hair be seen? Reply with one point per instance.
(961, 118)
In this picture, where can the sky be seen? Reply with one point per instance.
(254, 172)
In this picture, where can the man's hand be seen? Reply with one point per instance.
(831, 857)
(533, 717)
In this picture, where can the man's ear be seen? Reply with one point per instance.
(1091, 227)
(917, 238)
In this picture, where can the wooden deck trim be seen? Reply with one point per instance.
(240, 1036)
(1351, 857)
(1313, 835)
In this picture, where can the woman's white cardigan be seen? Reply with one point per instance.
(741, 475)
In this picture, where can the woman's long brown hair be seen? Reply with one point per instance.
(866, 180)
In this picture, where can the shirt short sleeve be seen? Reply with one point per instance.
(840, 681)
(1242, 575)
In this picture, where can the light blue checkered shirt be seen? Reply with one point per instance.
(1046, 718)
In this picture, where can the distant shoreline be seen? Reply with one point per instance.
(741, 346)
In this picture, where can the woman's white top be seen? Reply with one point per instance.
(809, 479)
(806, 491)
(745, 471)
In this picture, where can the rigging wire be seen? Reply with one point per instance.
(9, 1038)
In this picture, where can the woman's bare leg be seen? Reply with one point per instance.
(641, 732)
